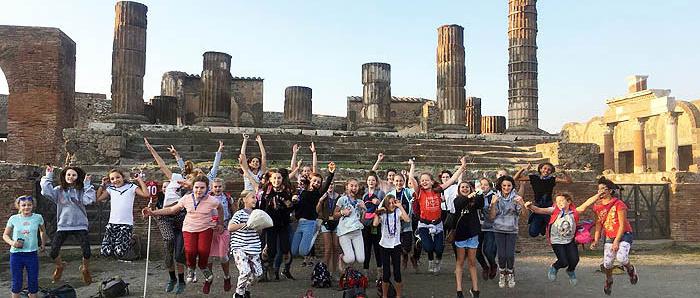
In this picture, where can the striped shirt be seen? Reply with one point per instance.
(244, 239)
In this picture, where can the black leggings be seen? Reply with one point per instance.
(567, 256)
(391, 257)
(60, 236)
(371, 241)
(275, 234)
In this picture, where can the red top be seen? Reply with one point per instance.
(607, 216)
(429, 204)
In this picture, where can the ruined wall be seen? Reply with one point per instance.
(39, 64)
(90, 107)
(247, 101)
(322, 122)
(185, 88)
(406, 113)
(3, 115)
(573, 155)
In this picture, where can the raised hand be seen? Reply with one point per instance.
(312, 147)
(172, 151)
(331, 167)
(463, 161)
(258, 139)
(148, 145)
(519, 201)
(295, 148)
(105, 180)
(246, 136)
(221, 146)
(380, 156)
(299, 163)
(49, 168)
(411, 161)
(87, 179)
(528, 167)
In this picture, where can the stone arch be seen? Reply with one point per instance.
(39, 64)
(692, 111)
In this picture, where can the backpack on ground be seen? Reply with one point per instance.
(114, 287)
(320, 277)
(64, 291)
(354, 293)
(392, 289)
(353, 279)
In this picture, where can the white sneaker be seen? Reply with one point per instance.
(431, 266)
(437, 267)
(511, 279)
(191, 276)
(502, 279)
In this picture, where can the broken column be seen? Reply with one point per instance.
(493, 124)
(451, 78)
(215, 95)
(165, 109)
(472, 113)
(297, 108)
(128, 63)
(376, 97)
(522, 67)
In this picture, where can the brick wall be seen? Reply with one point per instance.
(39, 64)
(684, 201)
(3, 115)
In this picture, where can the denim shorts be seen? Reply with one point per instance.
(472, 242)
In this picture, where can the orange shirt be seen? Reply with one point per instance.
(607, 216)
(429, 203)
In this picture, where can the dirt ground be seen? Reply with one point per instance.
(663, 273)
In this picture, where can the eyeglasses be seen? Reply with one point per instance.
(25, 198)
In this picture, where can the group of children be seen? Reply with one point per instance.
(397, 218)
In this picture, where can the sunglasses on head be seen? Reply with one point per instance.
(25, 198)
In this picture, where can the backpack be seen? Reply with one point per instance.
(64, 291)
(134, 252)
(392, 289)
(320, 277)
(583, 232)
(354, 293)
(114, 287)
(353, 279)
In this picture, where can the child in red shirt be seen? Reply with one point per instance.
(611, 218)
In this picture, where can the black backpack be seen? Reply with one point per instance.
(320, 277)
(114, 287)
(64, 291)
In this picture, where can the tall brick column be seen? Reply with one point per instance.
(522, 67)
(376, 97)
(128, 63)
(215, 95)
(472, 113)
(297, 107)
(493, 124)
(451, 78)
(640, 153)
(609, 147)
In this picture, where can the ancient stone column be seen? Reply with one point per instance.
(128, 63)
(215, 95)
(376, 97)
(472, 113)
(493, 124)
(522, 67)
(672, 142)
(451, 78)
(165, 109)
(297, 108)
(640, 154)
(609, 147)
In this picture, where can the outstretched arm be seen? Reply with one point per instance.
(217, 161)
(102, 193)
(412, 183)
(243, 162)
(519, 175)
(380, 158)
(263, 154)
(46, 184)
(295, 150)
(457, 174)
(538, 210)
(314, 158)
(589, 202)
(329, 178)
(163, 168)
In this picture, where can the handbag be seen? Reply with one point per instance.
(451, 235)
(450, 221)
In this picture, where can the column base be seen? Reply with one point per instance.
(126, 118)
(524, 130)
(378, 127)
(297, 125)
(213, 121)
(450, 128)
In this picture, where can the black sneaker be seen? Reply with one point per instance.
(632, 272)
(247, 294)
(608, 286)
(474, 293)
(277, 275)
(286, 274)
(459, 294)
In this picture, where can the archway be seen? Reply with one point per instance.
(39, 67)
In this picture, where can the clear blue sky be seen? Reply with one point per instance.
(586, 48)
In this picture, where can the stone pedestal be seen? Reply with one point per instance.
(451, 79)
(609, 147)
(128, 63)
(165, 109)
(472, 113)
(297, 108)
(640, 155)
(215, 95)
(672, 142)
(522, 67)
(376, 97)
(493, 124)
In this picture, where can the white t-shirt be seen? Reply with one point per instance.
(449, 194)
(391, 229)
(171, 195)
(122, 204)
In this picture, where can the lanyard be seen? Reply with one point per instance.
(392, 233)
(195, 203)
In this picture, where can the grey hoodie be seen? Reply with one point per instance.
(507, 214)
(70, 203)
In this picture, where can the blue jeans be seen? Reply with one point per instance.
(18, 262)
(279, 257)
(432, 243)
(303, 237)
(486, 254)
(538, 224)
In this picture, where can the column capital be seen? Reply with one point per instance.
(672, 117)
(639, 122)
(609, 128)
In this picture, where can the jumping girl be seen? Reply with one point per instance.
(427, 207)
(542, 186)
(385, 185)
(329, 225)
(256, 167)
(391, 214)
(405, 196)
(505, 210)
(486, 252)
(22, 234)
(220, 244)
(370, 234)
(349, 209)
(307, 201)
(198, 226)
(245, 247)
(277, 202)
(71, 196)
(611, 219)
(118, 232)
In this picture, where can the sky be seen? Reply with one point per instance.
(586, 48)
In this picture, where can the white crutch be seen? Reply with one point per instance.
(148, 252)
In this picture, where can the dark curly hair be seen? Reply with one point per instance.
(500, 180)
(78, 182)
